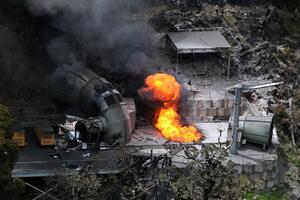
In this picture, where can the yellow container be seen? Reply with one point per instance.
(18, 135)
(19, 138)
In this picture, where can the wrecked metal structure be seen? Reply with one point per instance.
(96, 98)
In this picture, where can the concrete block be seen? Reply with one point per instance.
(275, 172)
(266, 176)
(207, 103)
(243, 179)
(221, 112)
(271, 183)
(275, 163)
(236, 178)
(192, 112)
(247, 168)
(238, 168)
(261, 185)
(228, 103)
(202, 112)
(228, 111)
(212, 112)
(218, 103)
(256, 176)
(269, 165)
(259, 168)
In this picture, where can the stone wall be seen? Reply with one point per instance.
(212, 104)
(261, 169)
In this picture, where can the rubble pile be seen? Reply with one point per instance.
(259, 35)
(199, 3)
(266, 47)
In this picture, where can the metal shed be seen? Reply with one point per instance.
(198, 43)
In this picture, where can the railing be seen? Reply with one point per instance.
(254, 158)
(49, 168)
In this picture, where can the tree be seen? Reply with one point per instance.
(208, 175)
(5, 122)
(84, 185)
(282, 122)
(9, 188)
(131, 183)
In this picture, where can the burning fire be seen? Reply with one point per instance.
(165, 89)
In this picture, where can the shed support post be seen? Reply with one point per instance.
(177, 63)
(228, 66)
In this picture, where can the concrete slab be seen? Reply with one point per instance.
(211, 132)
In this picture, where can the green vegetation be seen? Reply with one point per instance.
(5, 122)
(9, 188)
(292, 154)
(293, 157)
(282, 123)
(205, 177)
(274, 194)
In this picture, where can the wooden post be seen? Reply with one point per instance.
(228, 66)
(236, 116)
(177, 63)
(292, 123)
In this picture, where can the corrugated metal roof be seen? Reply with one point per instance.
(198, 42)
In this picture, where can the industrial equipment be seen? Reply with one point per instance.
(255, 129)
(107, 114)
(237, 106)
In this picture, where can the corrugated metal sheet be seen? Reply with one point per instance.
(198, 42)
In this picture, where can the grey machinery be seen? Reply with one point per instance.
(236, 112)
(108, 117)
(255, 129)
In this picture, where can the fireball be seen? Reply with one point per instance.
(165, 89)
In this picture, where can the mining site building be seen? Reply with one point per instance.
(198, 43)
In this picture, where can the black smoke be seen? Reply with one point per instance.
(101, 29)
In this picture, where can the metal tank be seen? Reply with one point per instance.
(96, 97)
(256, 129)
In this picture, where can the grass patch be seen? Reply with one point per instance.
(293, 157)
(274, 194)
(292, 154)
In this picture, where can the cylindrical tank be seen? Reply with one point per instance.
(95, 96)
(256, 129)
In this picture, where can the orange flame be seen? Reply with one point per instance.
(165, 89)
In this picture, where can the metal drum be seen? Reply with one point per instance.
(256, 129)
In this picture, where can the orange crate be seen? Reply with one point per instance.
(18, 135)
